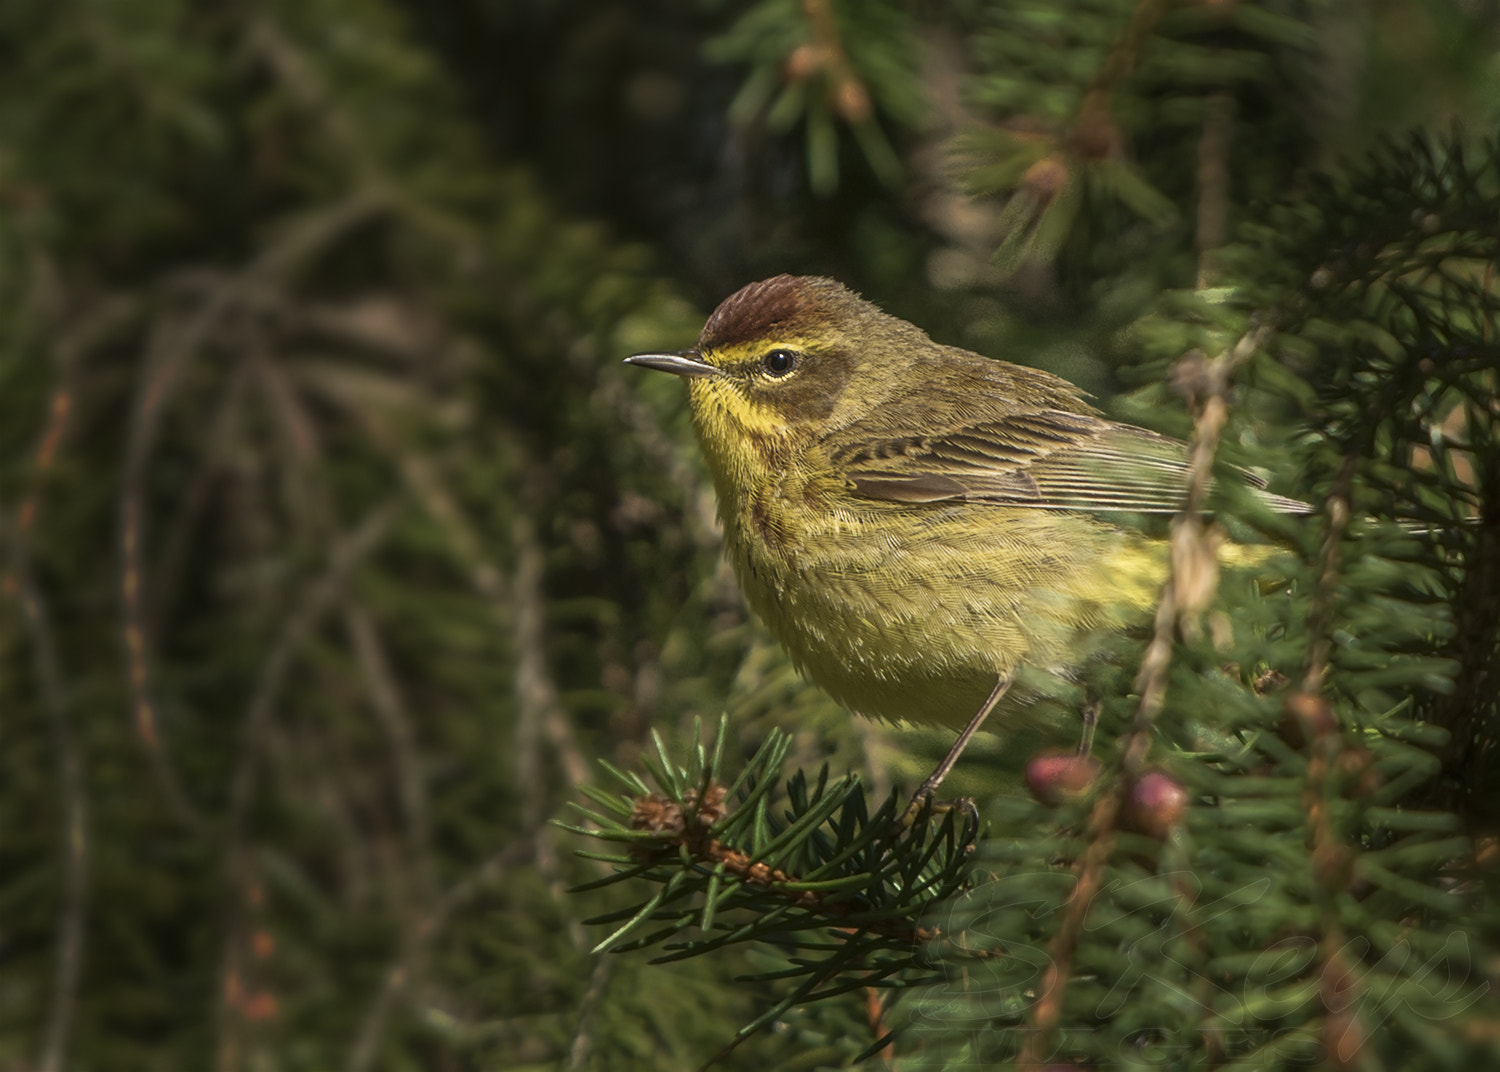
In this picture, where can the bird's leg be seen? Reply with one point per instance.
(929, 787)
(1090, 718)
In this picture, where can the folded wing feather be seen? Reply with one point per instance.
(1043, 459)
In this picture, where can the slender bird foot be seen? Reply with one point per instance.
(925, 798)
(924, 806)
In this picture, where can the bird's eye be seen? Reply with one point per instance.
(779, 362)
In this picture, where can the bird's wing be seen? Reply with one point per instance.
(1045, 459)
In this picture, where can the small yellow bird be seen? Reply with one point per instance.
(916, 523)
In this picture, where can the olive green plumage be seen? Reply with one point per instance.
(914, 521)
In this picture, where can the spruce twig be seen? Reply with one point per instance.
(1188, 590)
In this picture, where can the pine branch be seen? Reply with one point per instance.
(841, 891)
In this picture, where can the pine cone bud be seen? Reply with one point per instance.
(804, 62)
(852, 100)
(1307, 719)
(1045, 179)
(1056, 777)
(1156, 805)
(1355, 767)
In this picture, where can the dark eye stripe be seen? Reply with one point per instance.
(779, 362)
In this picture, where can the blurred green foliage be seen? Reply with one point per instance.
(338, 547)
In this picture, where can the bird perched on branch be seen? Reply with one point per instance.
(919, 526)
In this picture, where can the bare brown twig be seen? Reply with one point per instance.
(690, 831)
(1189, 587)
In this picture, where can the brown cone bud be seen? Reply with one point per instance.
(1156, 805)
(1307, 718)
(1046, 178)
(1057, 777)
(1333, 866)
(1095, 136)
(804, 62)
(712, 809)
(852, 100)
(1355, 767)
(657, 814)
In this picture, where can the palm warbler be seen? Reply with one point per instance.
(918, 524)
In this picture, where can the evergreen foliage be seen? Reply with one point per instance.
(338, 550)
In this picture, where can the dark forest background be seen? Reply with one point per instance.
(338, 545)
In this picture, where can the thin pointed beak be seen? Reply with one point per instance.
(681, 363)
